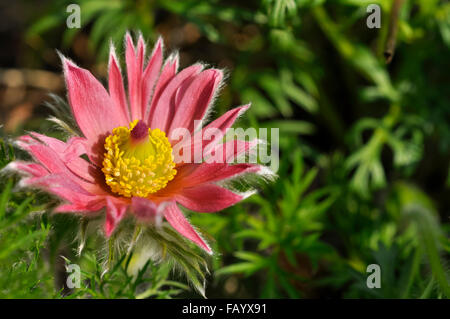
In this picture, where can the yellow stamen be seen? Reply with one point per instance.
(137, 167)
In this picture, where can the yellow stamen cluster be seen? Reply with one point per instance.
(137, 168)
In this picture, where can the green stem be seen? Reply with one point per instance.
(137, 231)
(428, 288)
(110, 251)
(414, 269)
(146, 294)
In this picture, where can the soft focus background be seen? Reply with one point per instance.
(364, 146)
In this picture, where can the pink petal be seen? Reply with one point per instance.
(69, 153)
(207, 198)
(230, 150)
(213, 172)
(34, 169)
(223, 123)
(168, 72)
(177, 220)
(25, 141)
(92, 107)
(63, 187)
(135, 63)
(57, 145)
(132, 72)
(116, 88)
(196, 100)
(150, 77)
(54, 177)
(50, 160)
(165, 106)
(77, 208)
(114, 214)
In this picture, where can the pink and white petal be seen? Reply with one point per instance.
(213, 172)
(196, 99)
(179, 222)
(167, 74)
(115, 84)
(33, 169)
(132, 71)
(223, 123)
(207, 198)
(115, 211)
(91, 106)
(62, 186)
(165, 106)
(193, 175)
(57, 145)
(68, 151)
(150, 77)
(231, 151)
(90, 102)
(79, 208)
(48, 158)
(83, 169)
(135, 63)
(53, 163)
(24, 142)
(69, 154)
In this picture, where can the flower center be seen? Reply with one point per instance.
(138, 160)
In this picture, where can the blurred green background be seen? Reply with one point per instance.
(364, 145)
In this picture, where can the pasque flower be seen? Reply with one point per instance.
(123, 162)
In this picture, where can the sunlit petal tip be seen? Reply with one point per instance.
(178, 221)
(113, 56)
(129, 44)
(141, 45)
(24, 142)
(12, 167)
(173, 61)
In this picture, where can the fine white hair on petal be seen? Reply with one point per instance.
(248, 180)
(10, 169)
(247, 194)
(63, 126)
(140, 38)
(24, 184)
(112, 52)
(267, 173)
(155, 47)
(63, 116)
(174, 56)
(209, 110)
(251, 152)
(125, 39)
(19, 144)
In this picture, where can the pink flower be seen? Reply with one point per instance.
(127, 138)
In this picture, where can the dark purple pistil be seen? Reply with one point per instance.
(139, 132)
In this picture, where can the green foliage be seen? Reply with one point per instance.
(23, 272)
(151, 281)
(284, 233)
